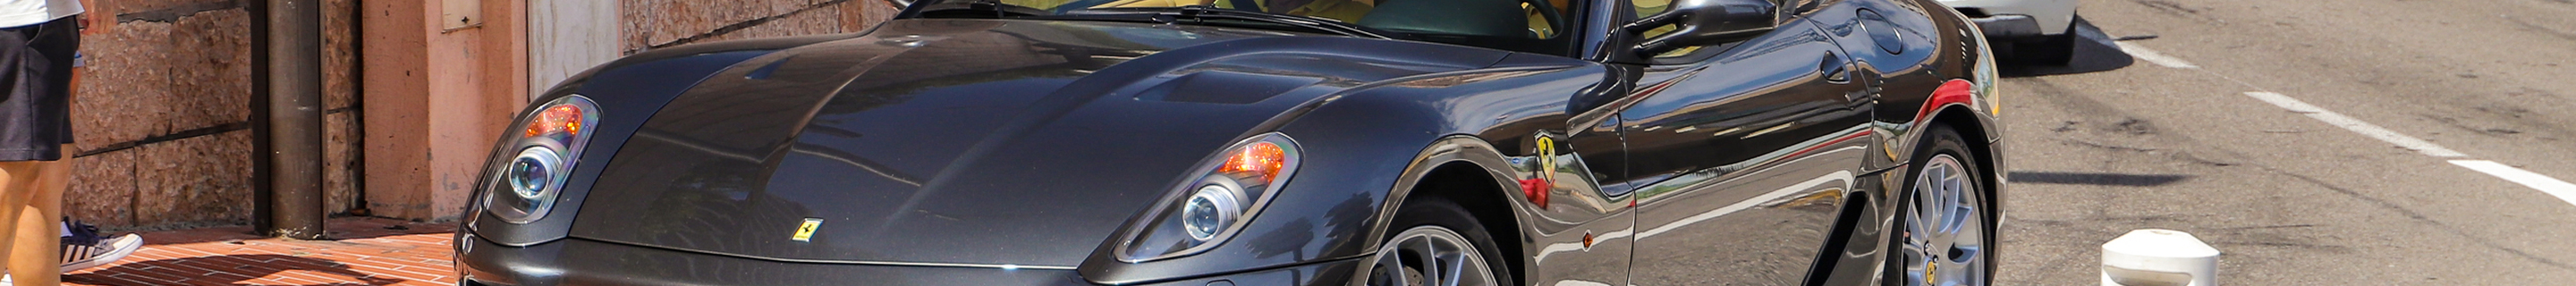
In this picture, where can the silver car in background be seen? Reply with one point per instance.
(2032, 31)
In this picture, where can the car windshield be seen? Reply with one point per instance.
(1515, 25)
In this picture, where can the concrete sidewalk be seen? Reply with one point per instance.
(369, 251)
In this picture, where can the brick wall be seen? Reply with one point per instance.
(162, 114)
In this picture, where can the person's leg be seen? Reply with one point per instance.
(17, 187)
(34, 125)
(32, 259)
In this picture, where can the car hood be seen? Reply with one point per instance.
(958, 141)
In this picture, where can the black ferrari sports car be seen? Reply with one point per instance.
(1270, 142)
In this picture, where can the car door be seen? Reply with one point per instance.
(1893, 47)
(1743, 154)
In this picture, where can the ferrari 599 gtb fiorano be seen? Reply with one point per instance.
(1270, 142)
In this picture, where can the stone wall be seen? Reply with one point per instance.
(654, 24)
(162, 114)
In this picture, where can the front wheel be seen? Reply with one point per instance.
(1441, 245)
(1942, 227)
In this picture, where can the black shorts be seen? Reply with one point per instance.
(36, 72)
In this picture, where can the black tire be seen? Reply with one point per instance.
(1940, 140)
(1445, 214)
(2058, 50)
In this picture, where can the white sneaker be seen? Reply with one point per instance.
(83, 249)
(77, 257)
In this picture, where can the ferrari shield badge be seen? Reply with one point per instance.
(1536, 188)
(1547, 158)
(805, 233)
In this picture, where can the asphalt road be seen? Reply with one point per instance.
(2334, 194)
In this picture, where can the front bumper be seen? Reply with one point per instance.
(576, 261)
(2019, 18)
(2009, 27)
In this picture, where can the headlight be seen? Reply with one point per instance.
(549, 142)
(1213, 205)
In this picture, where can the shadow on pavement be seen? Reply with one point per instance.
(2106, 179)
(2094, 53)
(374, 228)
(338, 229)
(242, 270)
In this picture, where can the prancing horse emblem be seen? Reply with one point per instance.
(1547, 159)
(805, 232)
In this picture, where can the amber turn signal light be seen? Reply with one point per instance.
(561, 118)
(1261, 160)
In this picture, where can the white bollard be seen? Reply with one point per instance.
(2157, 257)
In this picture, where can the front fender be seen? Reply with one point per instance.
(1364, 148)
(1394, 136)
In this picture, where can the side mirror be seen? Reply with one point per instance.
(1705, 22)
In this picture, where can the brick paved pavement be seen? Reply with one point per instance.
(370, 251)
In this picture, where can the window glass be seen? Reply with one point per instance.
(1538, 24)
(1651, 7)
(1647, 8)
(1516, 25)
(1427, 16)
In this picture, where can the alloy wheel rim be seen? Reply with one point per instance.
(1429, 256)
(1944, 231)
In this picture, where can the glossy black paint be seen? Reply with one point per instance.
(633, 87)
(618, 264)
(1792, 119)
(940, 151)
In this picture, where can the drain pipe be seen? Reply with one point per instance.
(293, 46)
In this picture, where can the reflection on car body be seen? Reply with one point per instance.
(1157, 142)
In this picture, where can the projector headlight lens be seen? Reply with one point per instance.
(1209, 211)
(531, 175)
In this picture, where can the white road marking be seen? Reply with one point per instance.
(2563, 190)
(2356, 125)
(2154, 57)
(2554, 187)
